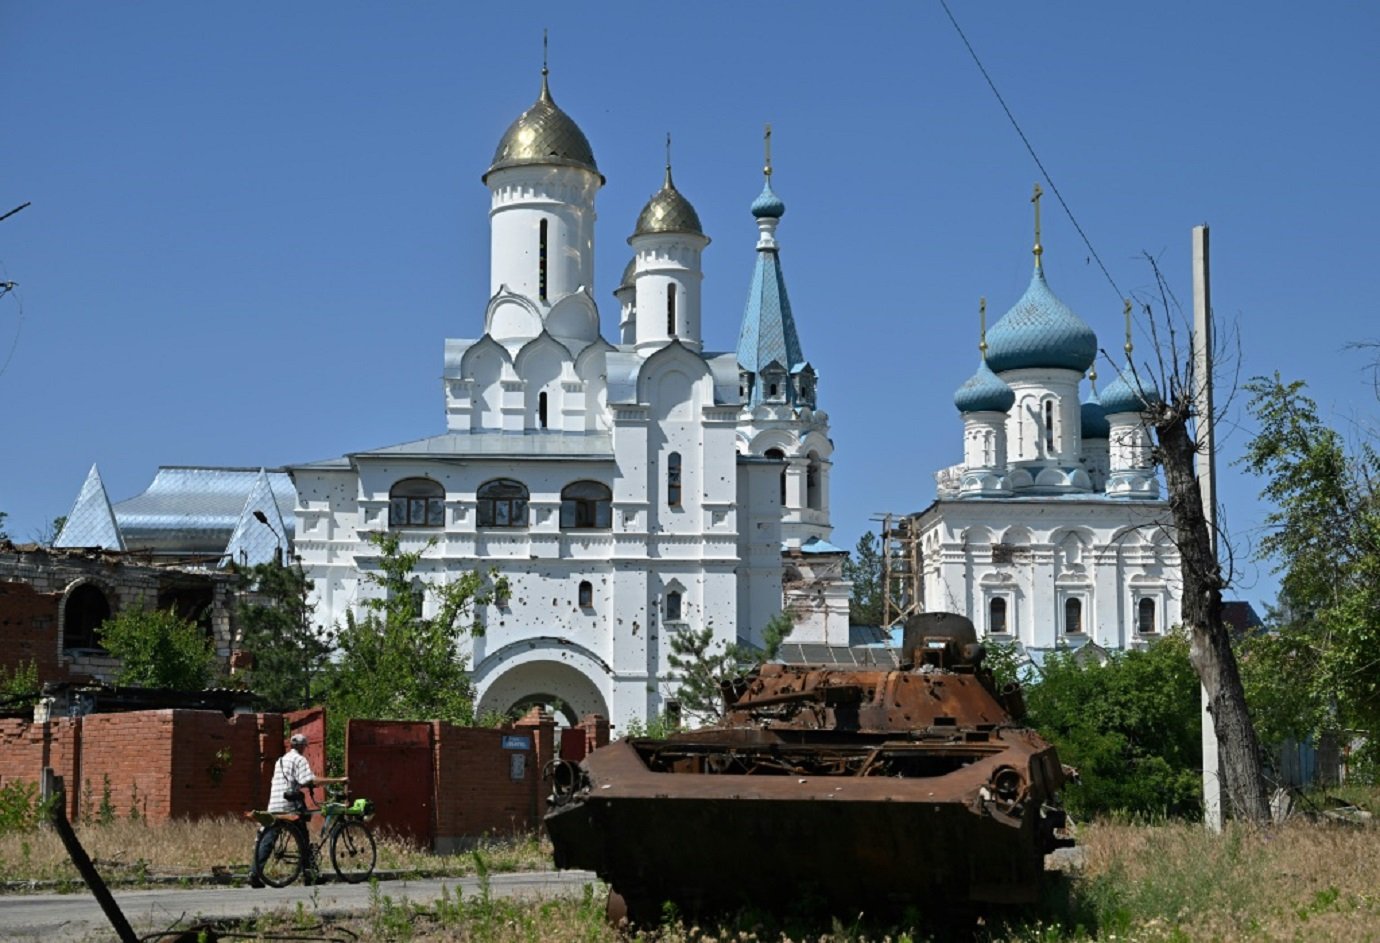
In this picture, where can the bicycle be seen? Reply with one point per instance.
(291, 852)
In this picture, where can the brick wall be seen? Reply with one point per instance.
(476, 792)
(25, 748)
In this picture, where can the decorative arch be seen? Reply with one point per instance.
(546, 670)
(675, 357)
(510, 316)
(768, 439)
(574, 318)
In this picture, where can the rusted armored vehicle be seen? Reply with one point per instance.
(869, 788)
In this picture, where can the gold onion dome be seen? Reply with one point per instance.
(668, 211)
(544, 135)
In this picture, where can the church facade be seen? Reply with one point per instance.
(1052, 532)
(626, 488)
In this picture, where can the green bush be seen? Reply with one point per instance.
(20, 808)
(1131, 727)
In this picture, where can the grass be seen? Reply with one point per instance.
(1168, 881)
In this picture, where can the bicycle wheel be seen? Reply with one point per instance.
(282, 852)
(352, 851)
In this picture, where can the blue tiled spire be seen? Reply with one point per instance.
(768, 333)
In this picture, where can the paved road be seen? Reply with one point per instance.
(77, 917)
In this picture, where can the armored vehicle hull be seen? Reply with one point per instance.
(869, 788)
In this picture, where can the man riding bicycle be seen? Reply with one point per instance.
(291, 775)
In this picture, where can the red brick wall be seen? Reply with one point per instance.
(25, 748)
(219, 766)
(29, 627)
(135, 751)
(475, 792)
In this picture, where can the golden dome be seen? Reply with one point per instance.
(668, 211)
(543, 134)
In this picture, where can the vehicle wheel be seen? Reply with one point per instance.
(352, 852)
(282, 852)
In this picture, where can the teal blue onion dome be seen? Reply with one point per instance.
(543, 134)
(1093, 419)
(668, 211)
(1129, 393)
(1040, 331)
(984, 391)
(768, 205)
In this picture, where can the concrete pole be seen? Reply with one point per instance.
(1207, 487)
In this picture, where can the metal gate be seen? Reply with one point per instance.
(391, 762)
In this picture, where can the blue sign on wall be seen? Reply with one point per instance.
(517, 743)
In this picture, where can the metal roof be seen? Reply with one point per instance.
(194, 510)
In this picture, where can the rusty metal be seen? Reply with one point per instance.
(865, 788)
(54, 793)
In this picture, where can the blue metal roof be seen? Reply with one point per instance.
(187, 510)
(1093, 419)
(91, 522)
(768, 204)
(1040, 331)
(768, 332)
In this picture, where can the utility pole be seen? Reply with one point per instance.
(1207, 488)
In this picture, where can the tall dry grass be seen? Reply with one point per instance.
(132, 851)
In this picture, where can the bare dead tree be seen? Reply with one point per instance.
(1172, 417)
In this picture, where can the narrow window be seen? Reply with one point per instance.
(673, 606)
(541, 410)
(1073, 616)
(586, 594)
(779, 456)
(1145, 617)
(541, 262)
(673, 480)
(672, 713)
(996, 621)
(671, 309)
(418, 594)
(1049, 428)
(813, 498)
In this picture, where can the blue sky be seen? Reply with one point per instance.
(253, 225)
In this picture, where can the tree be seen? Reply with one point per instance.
(701, 665)
(397, 664)
(864, 568)
(291, 654)
(159, 649)
(1131, 727)
(1324, 539)
(3, 535)
(1173, 417)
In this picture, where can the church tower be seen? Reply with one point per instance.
(542, 181)
(667, 244)
(776, 384)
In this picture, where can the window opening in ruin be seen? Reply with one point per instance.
(85, 608)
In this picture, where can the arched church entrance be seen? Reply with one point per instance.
(548, 684)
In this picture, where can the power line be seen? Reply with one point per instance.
(1029, 147)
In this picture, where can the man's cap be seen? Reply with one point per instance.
(299, 739)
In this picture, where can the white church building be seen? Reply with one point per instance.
(628, 488)
(1052, 532)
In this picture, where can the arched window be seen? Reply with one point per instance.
(1145, 616)
(1073, 616)
(673, 607)
(996, 616)
(502, 503)
(813, 494)
(541, 410)
(779, 456)
(673, 480)
(1049, 427)
(417, 502)
(541, 260)
(671, 309)
(586, 505)
(82, 614)
(586, 594)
